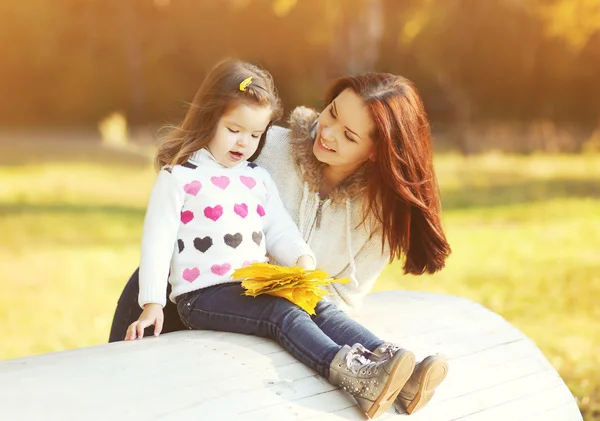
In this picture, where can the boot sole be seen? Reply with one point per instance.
(400, 374)
(432, 376)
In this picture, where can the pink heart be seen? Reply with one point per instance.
(192, 188)
(213, 213)
(220, 269)
(222, 182)
(187, 216)
(241, 209)
(191, 275)
(247, 263)
(248, 181)
(260, 210)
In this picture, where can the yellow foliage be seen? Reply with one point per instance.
(302, 287)
(283, 7)
(575, 20)
(417, 18)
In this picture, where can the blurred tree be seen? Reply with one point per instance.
(575, 20)
(357, 30)
(76, 61)
(128, 27)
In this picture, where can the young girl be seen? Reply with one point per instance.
(211, 212)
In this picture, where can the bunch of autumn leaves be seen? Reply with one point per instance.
(305, 288)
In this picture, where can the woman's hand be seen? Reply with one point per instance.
(152, 315)
(306, 262)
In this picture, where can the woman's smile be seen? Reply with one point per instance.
(324, 146)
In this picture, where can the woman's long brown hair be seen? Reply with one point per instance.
(402, 193)
(218, 93)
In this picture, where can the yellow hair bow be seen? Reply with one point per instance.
(245, 83)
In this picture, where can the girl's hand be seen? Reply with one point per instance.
(152, 315)
(306, 262)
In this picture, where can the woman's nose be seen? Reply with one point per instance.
(327, 133)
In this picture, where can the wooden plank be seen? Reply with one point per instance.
(495, 373)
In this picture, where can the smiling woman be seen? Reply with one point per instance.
(344, 138)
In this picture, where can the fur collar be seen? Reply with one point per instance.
(302, 124)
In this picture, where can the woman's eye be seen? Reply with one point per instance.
(233, 131)
(331, 112)
(348, 137)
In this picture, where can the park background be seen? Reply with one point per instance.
(511, 88)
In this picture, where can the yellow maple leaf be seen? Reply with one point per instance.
(302, 287)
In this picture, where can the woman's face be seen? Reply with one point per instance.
(343, 135)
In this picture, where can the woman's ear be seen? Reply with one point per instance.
(372, 157)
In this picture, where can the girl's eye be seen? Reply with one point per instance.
(233, 131)
(256, 136)
(348, 137)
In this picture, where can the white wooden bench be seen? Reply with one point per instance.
(496, 373)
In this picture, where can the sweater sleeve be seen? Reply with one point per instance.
(370, 262)
(159, 236)
(283, 238)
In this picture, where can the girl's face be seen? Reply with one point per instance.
(238, 134)
(343, 136)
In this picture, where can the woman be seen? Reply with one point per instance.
(359, 182)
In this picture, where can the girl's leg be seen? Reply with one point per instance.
(374, 384)
(128, 310)
(341, 328)
(225, 308)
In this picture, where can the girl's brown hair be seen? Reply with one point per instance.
(402, 192)
(218, 93)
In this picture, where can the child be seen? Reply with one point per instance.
(211, 212)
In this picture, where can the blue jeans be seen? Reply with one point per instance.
(313, 340)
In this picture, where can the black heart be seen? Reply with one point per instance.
(257, 237)
(203, 244)
(233, 240)
(252, 165)
(180, 245)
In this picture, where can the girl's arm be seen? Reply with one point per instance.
(159, 237)
(283, 239)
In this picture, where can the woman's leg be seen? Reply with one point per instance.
(341, 328)
(128, 310)
(225, 308)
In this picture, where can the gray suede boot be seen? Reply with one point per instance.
(420, 388)
(374, 384)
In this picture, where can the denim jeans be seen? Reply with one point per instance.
(313, 340)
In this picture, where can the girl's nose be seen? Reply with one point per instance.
(242, 142)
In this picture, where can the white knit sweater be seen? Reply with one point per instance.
(328, 226)
(204, 221)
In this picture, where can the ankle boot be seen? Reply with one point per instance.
(384, 351)
(374, 384)
(420, 388)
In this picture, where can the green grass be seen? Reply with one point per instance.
(525, 233)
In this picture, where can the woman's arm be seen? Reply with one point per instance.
(370, 262)
(282, 236)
